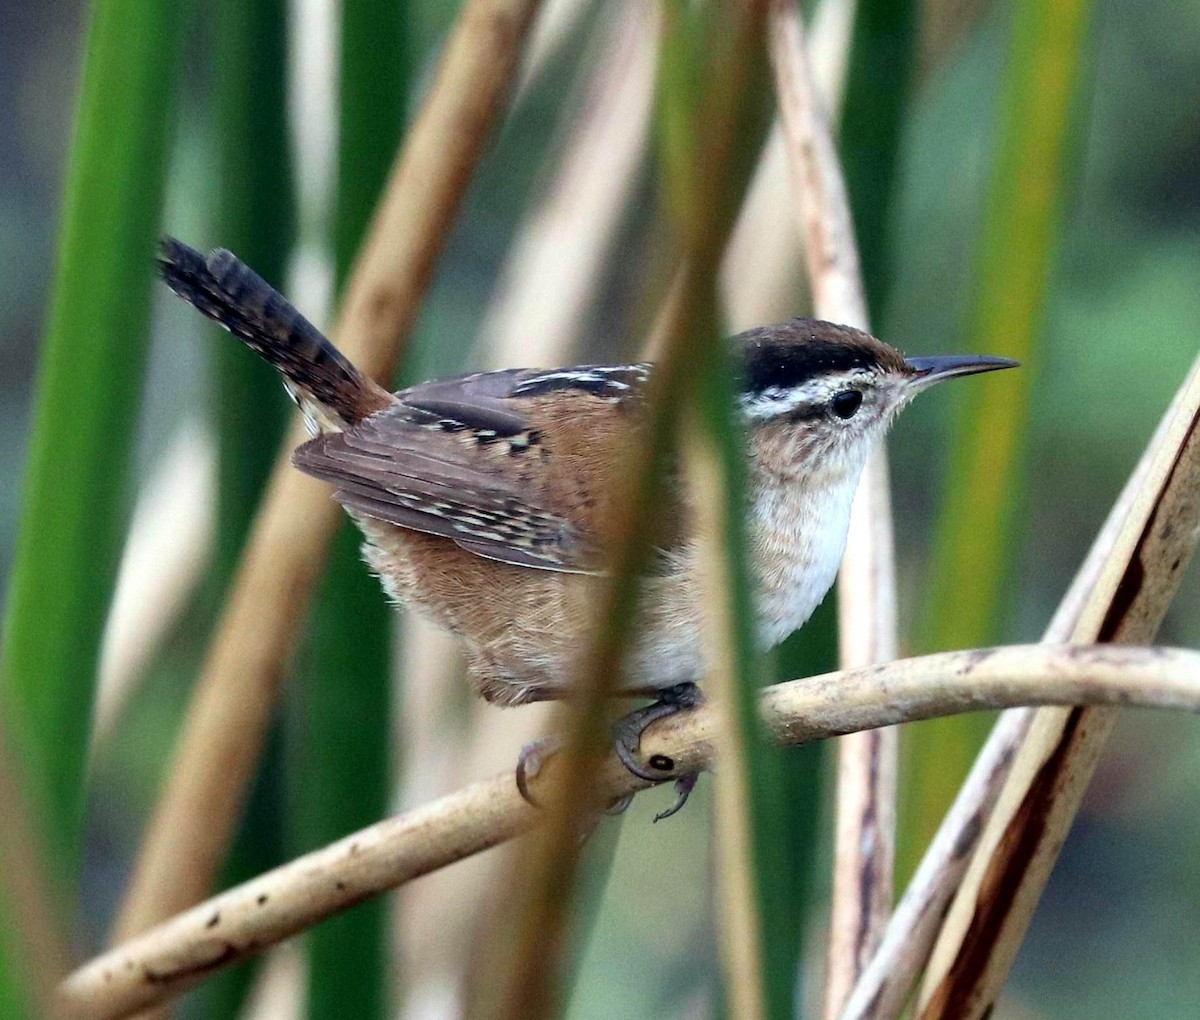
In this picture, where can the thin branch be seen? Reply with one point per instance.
(864, 852)
(1038, 804)
(224, 730)
(244, 921)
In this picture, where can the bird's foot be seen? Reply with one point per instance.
(627, 738)
(628, 731)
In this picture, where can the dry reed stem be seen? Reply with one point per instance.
(867, 763)
(741, 942)
(224, 730)
(179, 953)
(762, 274)
(1055, 763)
(884, 986)
(864, 848)
(557, 22)
(557, 260)
(155, 582)
(165, 556)
(817, 184)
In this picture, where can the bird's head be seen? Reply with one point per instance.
(817, 396)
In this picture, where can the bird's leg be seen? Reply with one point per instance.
(628, 731)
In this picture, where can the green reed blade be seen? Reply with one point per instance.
(346, 705)
(1032, 171)
(88, 393)
(254, 217)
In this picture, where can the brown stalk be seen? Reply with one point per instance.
(564, 240)
(556, 23)
(864, 848)
(884, 986)
(521, 973)
(817, 184)
(693, 193)
(223, 733)
(537, 317)
(762, 274)
(527, 971)
(1055, 763)
(885, 983)
(179, 953)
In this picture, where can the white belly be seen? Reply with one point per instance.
(797, 537)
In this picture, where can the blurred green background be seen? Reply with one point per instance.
(1118, 933)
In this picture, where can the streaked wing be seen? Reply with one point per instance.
(446, 460)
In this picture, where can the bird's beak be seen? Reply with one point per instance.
(927, 371)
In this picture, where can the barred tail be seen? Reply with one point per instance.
(331, 391)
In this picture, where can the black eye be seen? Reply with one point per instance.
(844, 404)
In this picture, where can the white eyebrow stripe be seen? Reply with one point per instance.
(775, 401)
(771, 403)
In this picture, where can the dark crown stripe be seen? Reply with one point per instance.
(796, 352)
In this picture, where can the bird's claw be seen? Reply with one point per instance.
(684, 786)
(529, 764)
(533, 756)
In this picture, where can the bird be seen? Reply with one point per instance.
(485, 499)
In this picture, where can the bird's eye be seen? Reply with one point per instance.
(844, 404)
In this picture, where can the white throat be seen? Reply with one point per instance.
(798, 534)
